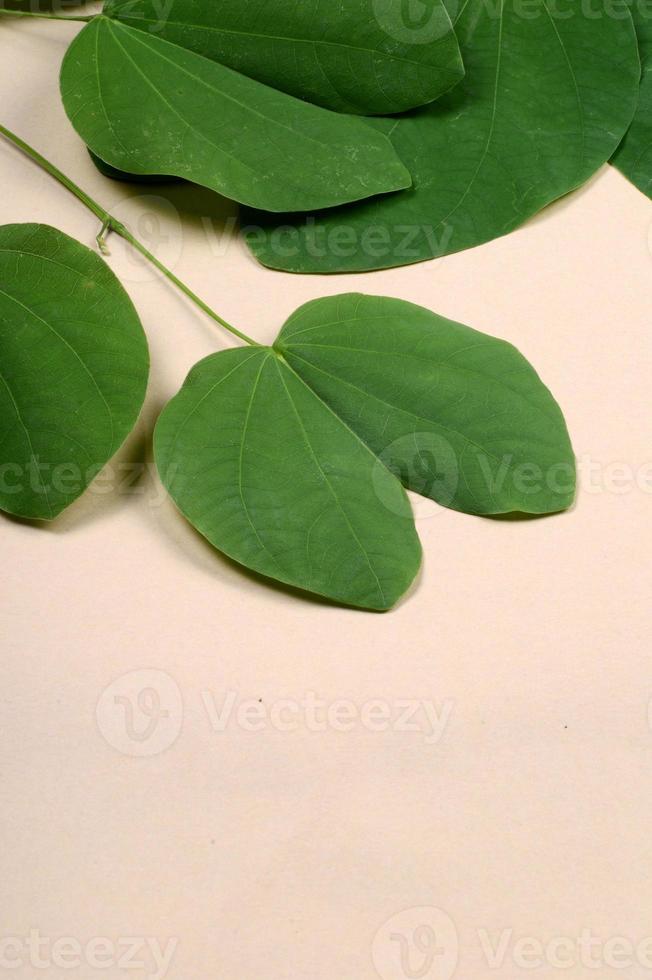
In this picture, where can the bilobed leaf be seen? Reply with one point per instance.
(73, 369)
(547, 96)
(362, 56)
(634, 155)
(146, 106)
(290, 459)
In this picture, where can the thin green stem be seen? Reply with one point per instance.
(47, 16)
(109, 223)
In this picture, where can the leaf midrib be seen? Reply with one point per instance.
(302, 40)
(75, 353)
(29, 443)
(197, 78)
(363, 550)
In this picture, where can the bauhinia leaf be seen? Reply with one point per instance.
(290, 459)
(146, 106)
(364, 56)
(634, 155)
(73, 369)
(547, 97)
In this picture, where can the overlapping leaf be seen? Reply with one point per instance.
(547, 96)
(146, 106)
(290, 459)
(73, 369)
(363, 56)
(634, 156)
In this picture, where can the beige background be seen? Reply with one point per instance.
(282, 853)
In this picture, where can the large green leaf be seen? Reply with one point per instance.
(364, 56)
(548, 95)
(146, 106)
(73, 369)
(289, 459)
(634, 155)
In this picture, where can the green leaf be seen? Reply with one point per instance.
(73, 369)
(548, 95)
(290, 459)
(146, 106)
(365, 56)
(634, 155)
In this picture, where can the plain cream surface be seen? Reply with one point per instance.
(269, 845)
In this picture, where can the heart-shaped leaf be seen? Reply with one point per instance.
(634, 155)
(363, 57)
(290, 459)
(146, 106)
(547, 96)
(73, 369)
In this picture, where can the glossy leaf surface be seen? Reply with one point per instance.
(146, 106)
(363, 56)
(290, 459)
(548, 94)
(73, 369)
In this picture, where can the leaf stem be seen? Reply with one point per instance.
(109, 223)
(47, 16)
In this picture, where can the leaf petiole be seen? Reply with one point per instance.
(111, 224)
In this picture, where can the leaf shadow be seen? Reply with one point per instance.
(567, 200)
(200, 210)
(123, 475)
(191, 545)
(517, 516)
